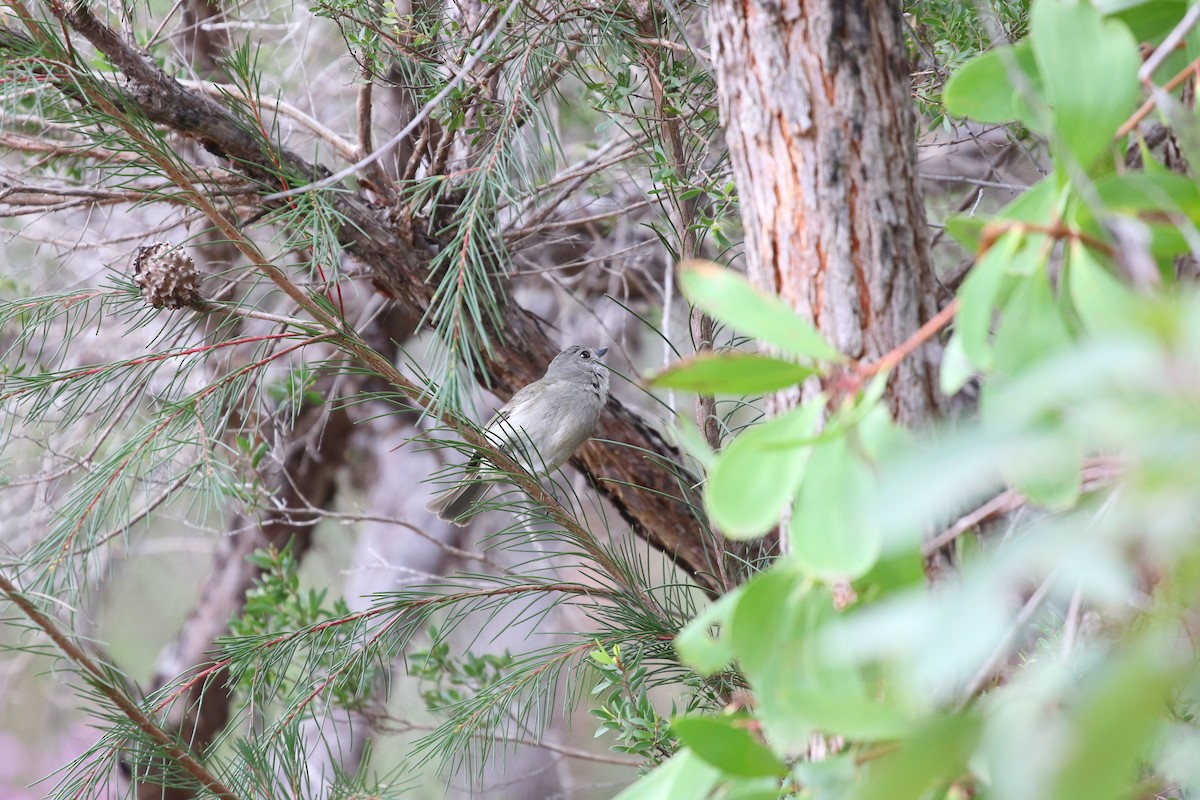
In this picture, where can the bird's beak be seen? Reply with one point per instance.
(600, 351)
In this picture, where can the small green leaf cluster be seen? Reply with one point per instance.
(276, 605)
(295, 390)
(455, 680)
(625, 709)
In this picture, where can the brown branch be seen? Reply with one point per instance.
(103, 682)
(1096, 474)
(1144, 110)
(994, 230)
(366, 141)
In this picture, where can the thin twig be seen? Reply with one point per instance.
(417, 119)
(1096, 473)
(1144, 110)
(343, 147)
(400, 726)
(383, 183)
(1169, 45)
(1023, 617)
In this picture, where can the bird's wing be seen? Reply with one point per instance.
(502, 431)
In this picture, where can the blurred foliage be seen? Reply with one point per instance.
(1058, 662)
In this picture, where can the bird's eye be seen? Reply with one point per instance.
(585, 354)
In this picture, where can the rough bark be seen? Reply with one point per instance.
(814, 95)
(647, 496)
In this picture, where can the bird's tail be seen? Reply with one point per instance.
(453, 503)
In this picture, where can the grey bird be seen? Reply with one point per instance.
(555, 414)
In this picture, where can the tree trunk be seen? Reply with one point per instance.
(818, 116)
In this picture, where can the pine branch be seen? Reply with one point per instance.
(103, 683)
(646, 496)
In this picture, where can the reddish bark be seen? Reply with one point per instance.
(815, 99)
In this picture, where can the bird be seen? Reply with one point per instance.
(556, 414)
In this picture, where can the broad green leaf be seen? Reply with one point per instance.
(894, 572)
(1148, 20)
(772, 631)
(683, 775)
(842, 708)
(731, 373)
(877, 434)
(832, 536)
(967, 230)
(729, 298)
(1000, 85)
(1151, 191)
(798, 688)
(698, 647)
(1101, 301)
(725, 744)
(1114, 720)
(833, 778)
(977, 299)
(776, 606)
(1031, 326)
(758, 474)
(1161, 200)
(933, 757)
(756, 789)
(956, 370)
(1089, 66)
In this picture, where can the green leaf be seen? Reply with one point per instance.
(1000, 85)
(777, 606)
(967, 230)
(838, 705)
(977, 299)
(683, 775)
(934, 756)
(1031, 326)
(956, 370)
(758, 474)
(1102, 302)
(1153, 192)
(833, 778)
(757, 789)
(731, 373)
(1148, 20)
(1089, 65)
(1050, 470)
(1114, 720)
(831, 535)
(726, 745)
(728, 297)
(1157, 198)
(895, 572)
(800, 688)
(704, 652)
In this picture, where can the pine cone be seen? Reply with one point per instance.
(167, 276)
